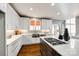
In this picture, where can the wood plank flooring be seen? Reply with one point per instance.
(30, 50)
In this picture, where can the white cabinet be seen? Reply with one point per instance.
(35, 40)
(29, 40)
(12, 18)
(24, 23)
(14, 47)
(26, 40)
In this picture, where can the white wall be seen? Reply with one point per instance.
(77, 25)
(3, 7)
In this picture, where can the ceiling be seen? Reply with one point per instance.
(60, 11)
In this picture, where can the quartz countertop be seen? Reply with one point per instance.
(15, 37)
(70, 49)
(12, 39)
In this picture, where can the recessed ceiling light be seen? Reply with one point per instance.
(52, 4)
(35, 16)
(31, 9)
(58, 13)
(34, 19)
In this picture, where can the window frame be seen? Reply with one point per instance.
(70, 24)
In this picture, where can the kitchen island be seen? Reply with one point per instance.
(69, 49)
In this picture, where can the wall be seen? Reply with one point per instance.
(77, 25)
(3, 7)
(2, 29)
(12, 20)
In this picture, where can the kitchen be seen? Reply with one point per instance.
(28, 24)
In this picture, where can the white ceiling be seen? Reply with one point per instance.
(66, 10)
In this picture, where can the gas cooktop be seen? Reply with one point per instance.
(54, 41)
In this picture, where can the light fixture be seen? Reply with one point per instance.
(52, 4)
(31, 9)
(34, 19)
(35, 16)
(58, 13)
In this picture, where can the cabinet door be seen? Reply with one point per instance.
(46, 50)
(43, 48)
(12, 18)
(35, 40)
(20, 41)
(30, 40)
(27, 40)
(12, 47)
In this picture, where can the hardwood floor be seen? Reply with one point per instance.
(30, 50)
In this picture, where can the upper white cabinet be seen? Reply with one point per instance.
(46, 24)
(12, 18)
(24, 23)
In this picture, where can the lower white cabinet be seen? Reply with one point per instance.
(14, 47)
(35, 40)
(30, 40)
(26, 40)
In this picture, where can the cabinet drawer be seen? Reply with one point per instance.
(35, 40)
(13, 43)
(12, 47)
(46, 50)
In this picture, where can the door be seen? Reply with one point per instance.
(2, 35)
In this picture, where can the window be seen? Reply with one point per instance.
(70, 24)
(35, 24)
